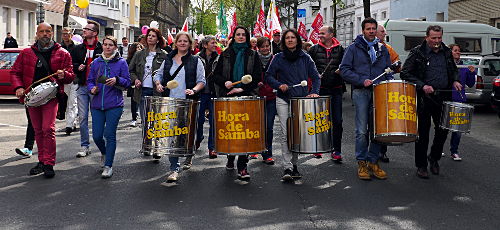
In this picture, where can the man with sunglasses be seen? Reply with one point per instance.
(83, 54)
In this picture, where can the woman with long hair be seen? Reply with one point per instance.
(291, 67)
(142, 68)
(238, 59)
(188, 71)
(107, 78)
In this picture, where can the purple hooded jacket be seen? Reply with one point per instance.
(466, 78)
(108, 97)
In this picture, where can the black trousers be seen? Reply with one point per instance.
(336, 111)
(430, 107)
(241, 163)
(30, 133)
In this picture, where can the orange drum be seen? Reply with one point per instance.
(395, 112)
(240, 125)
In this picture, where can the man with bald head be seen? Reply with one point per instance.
(43, 58)
(381, 33)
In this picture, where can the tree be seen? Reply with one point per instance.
(366, 6)
(341, 5)
(204, 13)
(67, 6)
(246, 11)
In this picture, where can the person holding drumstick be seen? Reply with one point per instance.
(181, 66)
(363, 61)
(107, 78)
(289, 68)
(43, 58)
(237, 60)
(431, 67)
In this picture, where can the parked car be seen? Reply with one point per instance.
(7, 59)
(495, 95)
(489, 69)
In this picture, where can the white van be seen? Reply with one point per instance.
(473, 38)
(478, 42)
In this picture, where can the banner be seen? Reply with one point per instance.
(222, 19)
(302, 31)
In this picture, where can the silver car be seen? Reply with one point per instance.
(489, 68)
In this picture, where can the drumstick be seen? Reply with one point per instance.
(245, 80)
(449, 90)
(388, 70)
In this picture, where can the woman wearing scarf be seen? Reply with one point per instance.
(291, 67)
(191, 79)
(142, 68)
(108, 77)
(238, 59)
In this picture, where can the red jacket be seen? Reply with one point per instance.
(23, 70)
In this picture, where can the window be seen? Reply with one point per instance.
(384, 15)
(6, 18)
(128, 11)
(31, 26)
(469, 45)
(374, 15)
(324, 14)
(495, 44)
(7, 60)
(19, 27)
(136, 16)
(470, 61)
(411, 42)
(124, 13)
(493, 67)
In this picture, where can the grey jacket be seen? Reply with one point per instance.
(136, 69)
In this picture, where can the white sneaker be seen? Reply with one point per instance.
(85, 152)
(103, 160)
(456, 157)
(172, 177)
(133, 123)
(107, 173)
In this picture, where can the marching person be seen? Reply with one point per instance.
(83, 54)
(327, 55)
(107, 78)
(237, 60)
(208, 55)
(143, 66)
(188, 71)
(33, 64)
(133, 48)
(468, 77)
(363, 61)
(265, 55)
(381, 33)
(10, 42)
(275, 43)
(432, 68)
(70, 89)
(287, 68)
(123, 49)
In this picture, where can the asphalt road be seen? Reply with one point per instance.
(330, 196)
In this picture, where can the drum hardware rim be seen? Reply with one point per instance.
(394, 81)
(241, 98)
(453, 130)
(239, 154)
(171, 99)
(453, 103)
(297, 98)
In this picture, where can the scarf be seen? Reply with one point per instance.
(265, 59)
(371, 49)
(106, 59)
(292, 56)
(45, 49)
(239, 64)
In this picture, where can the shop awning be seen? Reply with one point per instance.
(75, 22)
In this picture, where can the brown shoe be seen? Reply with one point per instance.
(212, 154)
(434, 166)
(422, 173)
(363, 171)
(377, 171)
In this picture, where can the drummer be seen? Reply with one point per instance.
(431, 67)
(237, 60)
(363, 61)
(180, 65)
(289, 68)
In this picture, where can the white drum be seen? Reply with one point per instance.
(41, 94)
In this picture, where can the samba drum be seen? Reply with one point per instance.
(41, 94)
(395, 112)
(240, 125)
(456, 116)
(169, 126)
(309, 126)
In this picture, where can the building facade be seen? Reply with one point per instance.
(430, 10)
(168, 13)
(478, 11)
(19, 18)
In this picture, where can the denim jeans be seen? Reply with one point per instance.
(104, 125)
(270, 115)
(336, 110)
(455, 141)
(84, 99)
(206, 103)
(289, 158)
(145, 92)
(363, 105)
(72, 109)
(175, 166)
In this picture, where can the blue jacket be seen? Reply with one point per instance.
(282, 71)
(466, 77)
(108, 97)
(356, 64)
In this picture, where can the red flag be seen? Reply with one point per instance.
(318, 22)
(185, 26)
(257, 32)
(233, 25)
(314, 36)
(170, 38)
(302, 31)
(261, 19)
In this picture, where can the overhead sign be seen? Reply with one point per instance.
(301, 13)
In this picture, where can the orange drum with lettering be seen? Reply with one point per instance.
(240, 125)
(395, 112)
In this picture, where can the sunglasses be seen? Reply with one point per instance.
(88, 29)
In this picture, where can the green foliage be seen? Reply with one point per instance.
(246, 11)
(205, 23)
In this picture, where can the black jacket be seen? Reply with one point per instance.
(10, 43)
(78, 55)
(329, 79)
(416, 65)
(69, 47)
(224, 71)
(276, 47)
(209, 65)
